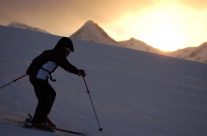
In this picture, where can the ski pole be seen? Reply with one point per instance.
(13, 81)
(100, 128)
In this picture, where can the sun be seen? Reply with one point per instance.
(162, 27)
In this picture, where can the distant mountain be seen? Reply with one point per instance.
(192, 53)
(25, 26)
(182, 53)
(138, 45)
(91, 31)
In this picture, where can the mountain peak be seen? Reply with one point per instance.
(132, 39)
(138, 45)
(91, 31)
(90, 22)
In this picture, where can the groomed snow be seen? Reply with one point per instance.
(135, 93)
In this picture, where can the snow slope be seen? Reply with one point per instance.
(135, 93)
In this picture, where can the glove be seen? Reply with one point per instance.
(82, 73)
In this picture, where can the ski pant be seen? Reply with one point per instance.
(45, 96)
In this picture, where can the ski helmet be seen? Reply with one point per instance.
(64, 43)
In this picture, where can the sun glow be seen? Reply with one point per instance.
(162, 29)
(165, 27)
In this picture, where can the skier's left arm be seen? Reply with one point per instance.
(66, 65)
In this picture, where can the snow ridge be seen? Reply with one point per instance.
(25, 26)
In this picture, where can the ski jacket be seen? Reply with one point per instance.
(46, 63)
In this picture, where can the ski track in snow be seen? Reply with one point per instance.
(135, 93)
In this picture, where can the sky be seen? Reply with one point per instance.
(165, 24)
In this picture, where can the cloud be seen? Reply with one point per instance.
(100, 10)
(69, 15)
(60, 14)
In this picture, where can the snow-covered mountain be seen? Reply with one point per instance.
(92, 32)
(199, 54)
(192, 53)
(25, 26)
(138, 45)
(182, 53)
(135, 93)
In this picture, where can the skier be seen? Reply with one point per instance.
(40, 71)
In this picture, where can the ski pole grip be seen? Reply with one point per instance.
(86, 85)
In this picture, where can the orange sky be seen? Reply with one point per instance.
(164, 24)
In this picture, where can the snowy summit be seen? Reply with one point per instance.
(91, 31)
(133, 43)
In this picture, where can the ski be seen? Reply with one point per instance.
(52, 126)
(20, 123)
(56, 129)
(69, 131)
